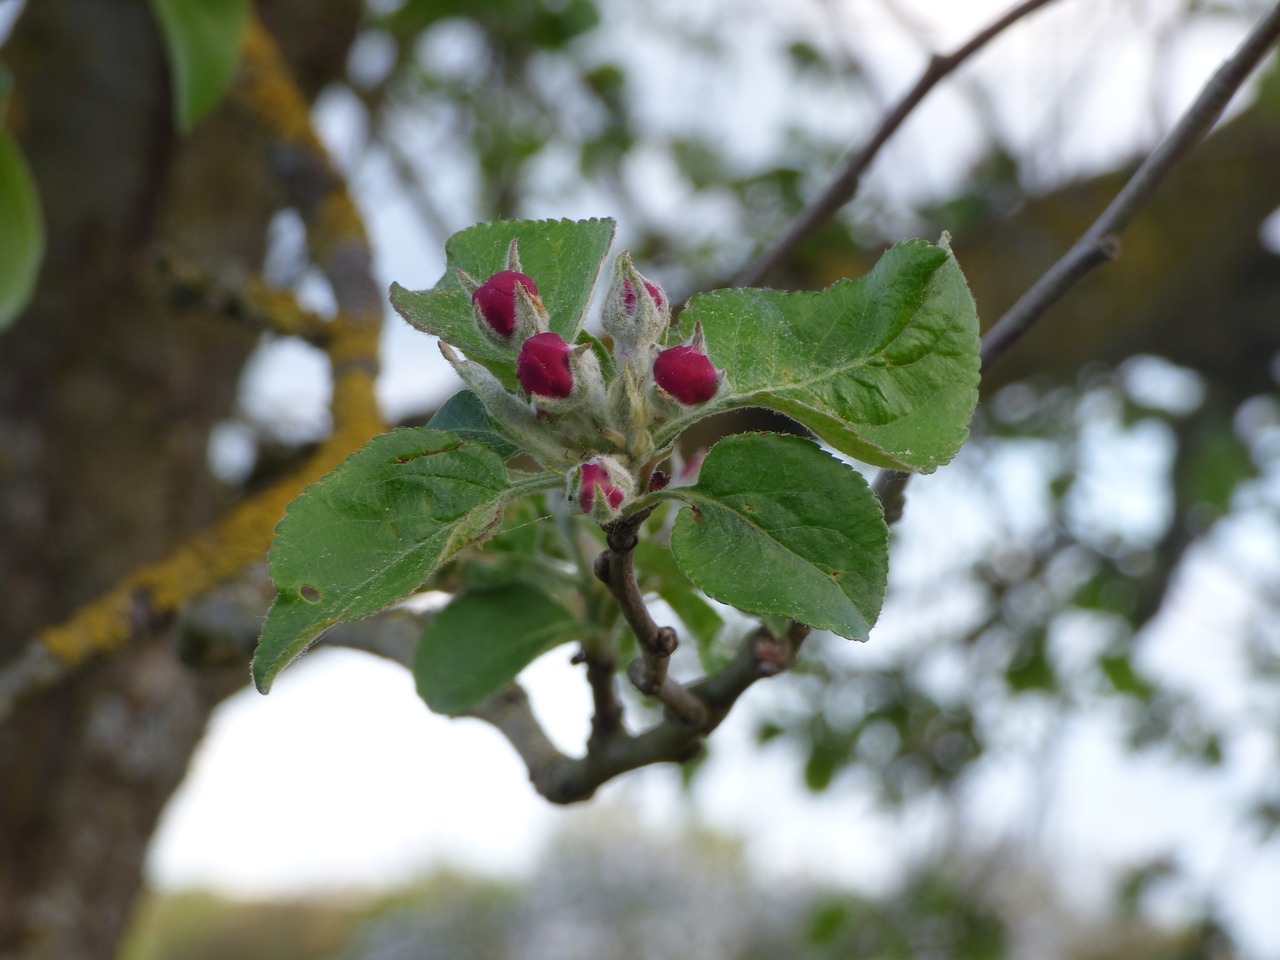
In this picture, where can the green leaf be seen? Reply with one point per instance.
(1031, 668)
(524, 550)
(1119, 671)
(373, 531)
(1213, 463)
(463, 414)
(562, 256)
(884, 368)
(602, 354)
(202, 38)
(22, 234)
(482, 640)
(780, 527)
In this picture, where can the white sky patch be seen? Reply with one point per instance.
(1269, 232)
(343, 777)
(233, 450)
(285, 390)
(1156, 383)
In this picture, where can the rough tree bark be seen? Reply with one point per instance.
(107, 397)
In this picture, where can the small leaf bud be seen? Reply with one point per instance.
(686, 374)
(495, 301)
(543, 367)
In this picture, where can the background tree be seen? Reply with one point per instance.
(150, 302)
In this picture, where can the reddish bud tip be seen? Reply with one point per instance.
(686, 374)
(659, 481)
(629, 295)
(594, 476)
(543, 367)
(496, 300)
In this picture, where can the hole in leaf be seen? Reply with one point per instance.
(309, 593)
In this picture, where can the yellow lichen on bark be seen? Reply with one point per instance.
(208, 559)
(338, 241)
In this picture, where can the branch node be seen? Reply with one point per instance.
(643, 677)
(665, 642)
(601, 567)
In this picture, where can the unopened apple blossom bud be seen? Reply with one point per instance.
(635, 315)
(495, 301)
(600, 487)
(543, 367)
(686, 374)
(630, 300)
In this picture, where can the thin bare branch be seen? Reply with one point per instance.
(551, 772)
(845, 185)
(1100, 242)
(616, 570)
(606, 716)
(599, 651)
(228, 293)
(562, 779)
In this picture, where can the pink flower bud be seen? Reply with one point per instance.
(496, 300)
(686, 374)
(596, 476)
(629, 296)
(543, 367)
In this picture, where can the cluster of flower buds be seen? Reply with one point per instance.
(568, 416)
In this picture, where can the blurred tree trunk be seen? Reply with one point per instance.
(107, 397)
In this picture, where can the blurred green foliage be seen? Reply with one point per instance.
(612, 892)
